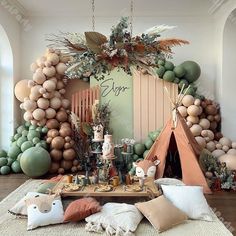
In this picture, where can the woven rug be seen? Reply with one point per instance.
(12, 226)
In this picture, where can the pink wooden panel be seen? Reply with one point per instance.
(137, 102)
(152, 107)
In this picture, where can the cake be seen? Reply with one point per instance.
(108, 147)
(98, 133)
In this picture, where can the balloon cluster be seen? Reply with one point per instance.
(203, 118)
(46, 106)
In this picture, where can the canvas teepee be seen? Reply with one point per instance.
(187, 147)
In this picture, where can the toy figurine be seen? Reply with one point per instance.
(146, 168)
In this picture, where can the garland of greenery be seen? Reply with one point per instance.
(94, 53)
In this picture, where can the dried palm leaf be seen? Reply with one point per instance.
(165, 45)
(94, 41)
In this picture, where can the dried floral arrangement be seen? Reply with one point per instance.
(94, 53)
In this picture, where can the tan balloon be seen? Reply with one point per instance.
(22, 90)
(49, 71)
(38, 114)
(49, 85)
(55, 103)
(50, 113)
(61, 68)
(53, 133)
(29, 105)
(39, 77)
(53, 58)
(28, 116)
(65, 103)
(43, 103)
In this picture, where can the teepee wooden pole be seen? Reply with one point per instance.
(184, 94)
(169, 97)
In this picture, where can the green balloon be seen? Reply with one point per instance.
(190, 91)
(25, 133)
(19, 156)
(148, 143)
(161, 62)
(10, 161)
(14, 151)
(16, 167)
(32, 134)
(27, 124)
(3, 161)
(132, 171)
(139, 148)
(179, 71)
(176, 80)
(36, 140)
(135, 157)
(3, 153)
(26, 145)
(42, 144)
(16, 136)
(44, 130)
(32, 127)
(183, 82)
(169, 65)
(160, 71)
(169, 76)
(154, 134)
(145, 153)
(20, 129)
(39, 129)
(21, 140)
(193, 71)
(35, 162)
(5, 170)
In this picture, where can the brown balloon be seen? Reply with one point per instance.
(61, 171)
(61, 116)
(218, 136)
(213, 125)
(52, 124)
(73, 169)
(53, 133)
(54, 167)
(65, 131)
(67, 145)
(66, 165)
(67, 124)
(211, 110)
(75, 162)
(69, 154)
(58, 142)
(56, 154)
(68, 139)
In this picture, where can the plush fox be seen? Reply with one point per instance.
(146, 168)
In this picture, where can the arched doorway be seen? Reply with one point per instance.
(228, 84)
(6, 90)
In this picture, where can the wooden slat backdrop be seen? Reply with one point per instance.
(152, 107)
(82, 102)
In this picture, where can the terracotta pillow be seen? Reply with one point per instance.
(80, 209)
(161, 213)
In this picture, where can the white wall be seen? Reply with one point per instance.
(198, 30)
(10, 42)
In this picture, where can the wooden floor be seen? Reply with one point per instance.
(223, 203)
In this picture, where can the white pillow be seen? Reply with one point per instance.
(115, 218)
(44, 210)
(189, 199)
(20, 208)
(168, 181)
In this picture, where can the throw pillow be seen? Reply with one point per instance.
(46, 187)
(161, 213)
(80, 209)
(168, 181)
(189, 199)
(115, 218)
(44, 210)
(20, 208)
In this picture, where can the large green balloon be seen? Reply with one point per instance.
(192, 71)
(139, 148)
(35, 162)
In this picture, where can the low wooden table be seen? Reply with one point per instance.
(149, 190)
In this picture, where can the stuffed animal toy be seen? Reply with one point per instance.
(146, 168)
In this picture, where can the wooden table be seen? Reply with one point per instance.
(149, 190)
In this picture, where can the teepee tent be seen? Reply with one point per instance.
(188, 149)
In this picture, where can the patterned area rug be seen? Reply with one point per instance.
(11, 226)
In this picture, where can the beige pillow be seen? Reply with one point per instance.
(161, 213)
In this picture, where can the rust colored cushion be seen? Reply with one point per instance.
(161, 213)
(80, 209)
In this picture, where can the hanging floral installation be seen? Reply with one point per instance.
(93, 53)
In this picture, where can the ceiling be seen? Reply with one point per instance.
(118, 7)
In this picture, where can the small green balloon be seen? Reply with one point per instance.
(44, 130)
(16, 136)
(179, 71)
(3, 153)
(36, 140)
(21, 140)
(27, 124)
(25, 133)
(169, 65)
(10, 161)
(32, 134)
(26, 145)
(160, 71)
(182, 83)
(20, 129)
(3, 161)
(169, 76)
(5, 170)
(14, 151)
(161, 62)
(15, 166)
(32, 127)
(39, 129)
(145, 153)
(19, 156)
